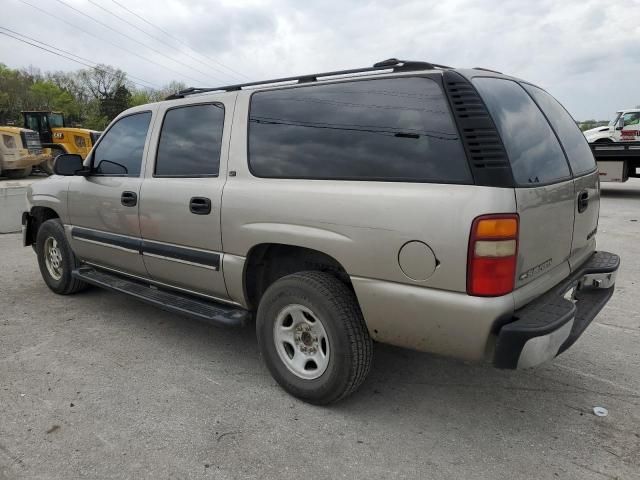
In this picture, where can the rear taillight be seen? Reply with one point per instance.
(493, 250)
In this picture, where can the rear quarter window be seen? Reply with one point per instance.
(385, 129)
(572, 139)
(533, 149)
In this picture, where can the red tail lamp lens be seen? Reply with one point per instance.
(493, 250)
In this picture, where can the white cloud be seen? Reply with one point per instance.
(584, 52)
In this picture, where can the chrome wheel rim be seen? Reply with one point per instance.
(53, 258)
(301, 342)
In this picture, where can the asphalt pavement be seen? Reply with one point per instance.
(101, 386)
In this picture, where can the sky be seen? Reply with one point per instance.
(584, 52)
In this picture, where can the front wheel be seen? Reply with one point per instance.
(56, 259)
(313, 337)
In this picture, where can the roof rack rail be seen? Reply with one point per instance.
(389, 64)
(487, 70)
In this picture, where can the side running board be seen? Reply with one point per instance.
(199, 309)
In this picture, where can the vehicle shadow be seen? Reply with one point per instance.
(404, 380)
(619, 193)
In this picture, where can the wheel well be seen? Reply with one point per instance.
(39, 215)
(269, 262)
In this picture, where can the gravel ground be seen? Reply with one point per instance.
(100, 386)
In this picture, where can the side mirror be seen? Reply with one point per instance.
(620, 124)
(68, 164)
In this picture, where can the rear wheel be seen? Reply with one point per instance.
(56, 259)
(604, 140)
(313, 337)
(15, 174)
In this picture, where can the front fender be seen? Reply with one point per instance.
(50, 193)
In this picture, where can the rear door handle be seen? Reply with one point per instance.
(129, 199)
(200, 205)
(583, 201)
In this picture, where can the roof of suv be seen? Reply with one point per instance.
(389, 66)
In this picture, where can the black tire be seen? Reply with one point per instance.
(604, 140)
(331, 301)
(16, 174)
(66, 283)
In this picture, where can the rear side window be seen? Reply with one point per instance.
(572, 139)
(386, 129)
(120, 150)
(532, 147)
(190, 141)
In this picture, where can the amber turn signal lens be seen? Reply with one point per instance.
(497, 228)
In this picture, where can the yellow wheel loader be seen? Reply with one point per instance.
(57, 138)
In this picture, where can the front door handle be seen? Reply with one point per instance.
(583, 201)
(200, 205)
(129, 199)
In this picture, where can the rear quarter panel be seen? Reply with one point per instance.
(363, 225)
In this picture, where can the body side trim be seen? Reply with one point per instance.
(190, 256)
(107, 239)
(181, 254)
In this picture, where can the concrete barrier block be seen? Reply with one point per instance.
(13, 201)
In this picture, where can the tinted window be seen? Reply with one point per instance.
(387, 129)
(190, 141)
(572, 139)
(120, 150)
(533, 149)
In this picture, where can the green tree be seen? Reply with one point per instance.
(112, 105)
(89, 98)
(48, 96)
(140, 97)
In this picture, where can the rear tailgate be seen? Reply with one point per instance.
(545, 192)
(586, 218)
(583, 166)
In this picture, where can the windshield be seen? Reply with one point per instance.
(613, 122)
(56, 120)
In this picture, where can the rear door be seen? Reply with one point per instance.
(545, 191)
(181, 196)
(586, 178)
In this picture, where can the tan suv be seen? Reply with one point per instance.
(445, 210)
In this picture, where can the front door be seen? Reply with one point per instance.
(181, 196)
(103, 207)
